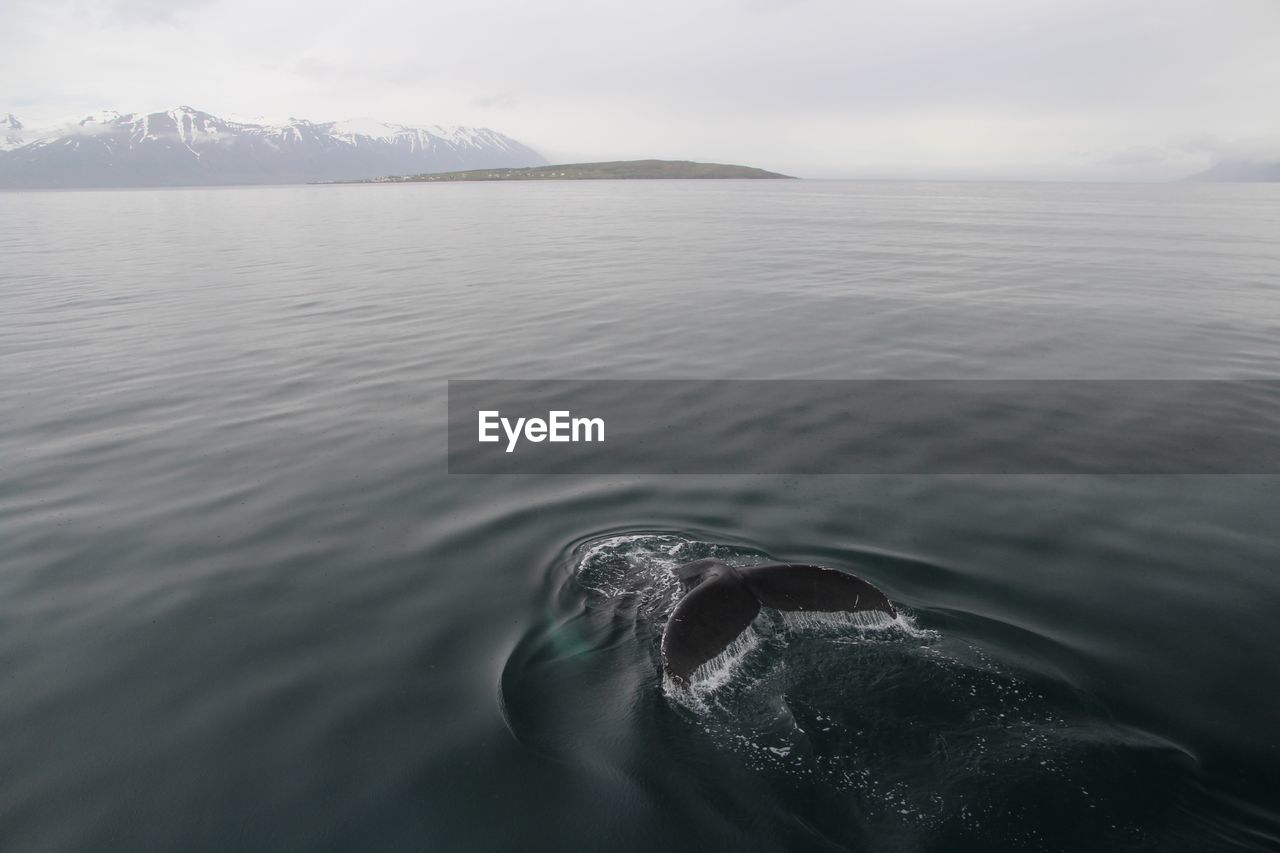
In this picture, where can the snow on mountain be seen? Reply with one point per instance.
(372, 128)
(186, 146)
(12, 132)
(99, 120)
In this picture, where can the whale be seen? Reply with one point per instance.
(720, 601)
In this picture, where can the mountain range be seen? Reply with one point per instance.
(1240, 171)
(189, 147)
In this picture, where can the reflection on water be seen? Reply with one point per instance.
(243, 607)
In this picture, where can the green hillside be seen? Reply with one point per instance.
(617, 170)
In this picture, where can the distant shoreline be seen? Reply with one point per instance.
(612, 170)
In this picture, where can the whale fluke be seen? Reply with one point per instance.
(785, 586)
(705, 622)
(722, 601)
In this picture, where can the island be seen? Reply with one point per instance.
(615, 170)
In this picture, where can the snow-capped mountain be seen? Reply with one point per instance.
(185, 146)
(12, 131)
(1240, 171)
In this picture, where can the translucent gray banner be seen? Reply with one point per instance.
(864, 427)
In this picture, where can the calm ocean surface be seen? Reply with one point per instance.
(243, 607)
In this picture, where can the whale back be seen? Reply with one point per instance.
(692, 574)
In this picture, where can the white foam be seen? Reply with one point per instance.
(722, 670)
(712, 675)
(815, 620)
(640, 564)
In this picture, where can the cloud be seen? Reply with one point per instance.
(1186, 154)
(1256, 149)
(1138, 156)
(317, 68)
(498, 101)
(152, 12)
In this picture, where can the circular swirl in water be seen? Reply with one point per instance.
(912, 729)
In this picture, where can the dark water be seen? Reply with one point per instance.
(242, 607)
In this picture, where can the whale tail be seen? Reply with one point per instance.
(723, 601)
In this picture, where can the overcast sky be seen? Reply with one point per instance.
(1093, 89)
